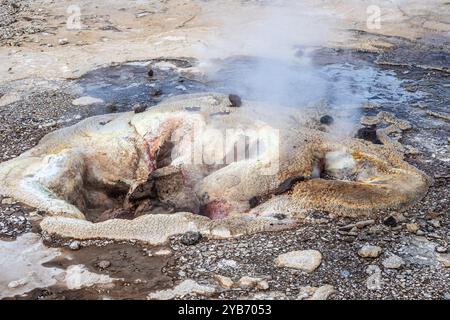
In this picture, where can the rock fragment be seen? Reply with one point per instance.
(187, 287)
(224, 282)
(235, 100)
(191, 238)
(369, 251)
(393, 262)
(305, 260)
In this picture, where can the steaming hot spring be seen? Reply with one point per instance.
(198, 163)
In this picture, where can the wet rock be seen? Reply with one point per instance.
(305, 260)
(111, 108)
(78, 276)
(235, 100)
(75, 245)
(150, 73)
(369, 251)
(138, 108)
(390, 222)
(224, 282)
(156, 92)
(369, 134)
(393, 262)
(191, 238)
(327, 120)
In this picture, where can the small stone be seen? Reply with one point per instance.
(441, 249)
(412, 227)
(63, 42)
(393, 262)
(75, 245)
(247, 282)
(163, 252)
(156, 92)
(345, 274)
(369, 134)
(17, 283)
(323, 292)
(305, 260)
(435, 223)
(8, 201)
(227, 264)
(444, 258)
(150, 73)
(369, 251)
(374, 281)
(104, 264)
(262, 285)
(390, 222)
(191, 238)
(327, 120)
(111, 108)
(365, 223)
(235, 100)
(137, 108)
(224, 282)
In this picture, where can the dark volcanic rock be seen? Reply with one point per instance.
(235, 100)
(190, 238)
(288, 184)
(369, 134)
(390, 221)
(327, 120)
(137, 108)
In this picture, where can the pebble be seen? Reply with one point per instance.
(390, 222)
(235, 100)
(104, 264)
(75, 245)
(247, 282)
(369, 251)
(393, 262)
(327, 120)
(191, 238)
(8, 201)
(137, 108)
(305, 260)
(17, 283)
(224, 282)
(412, 227)
(441, 249)
(63, 42)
